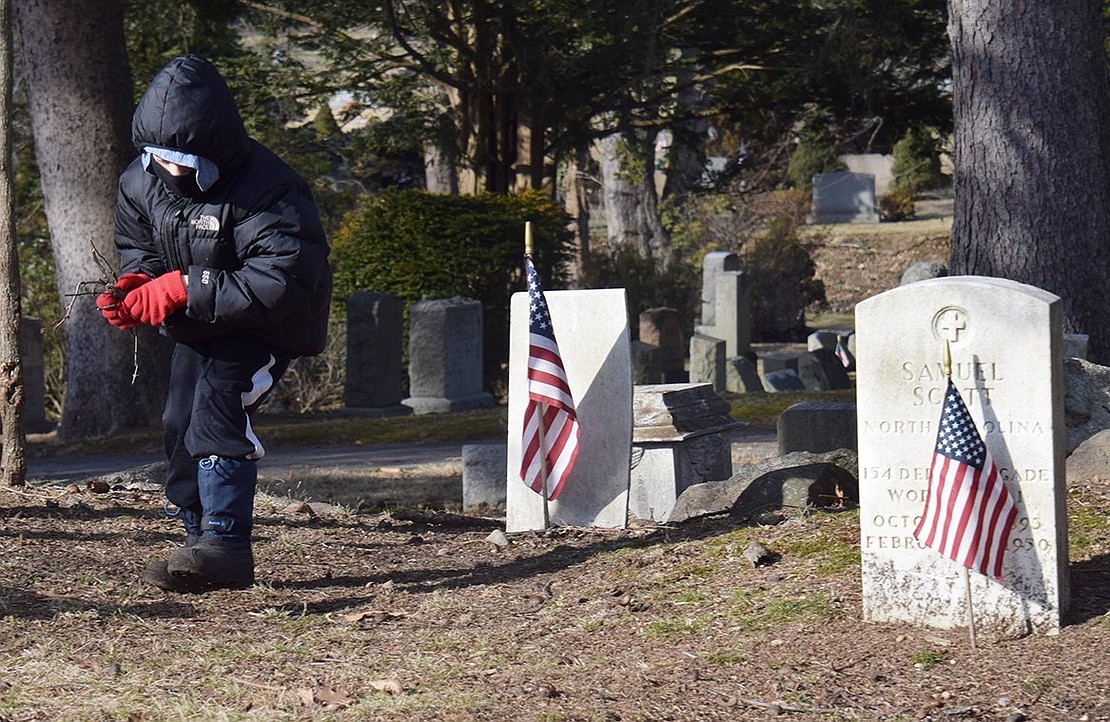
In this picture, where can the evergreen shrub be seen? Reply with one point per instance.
(424, 246)
(815, 153)
(916, 164)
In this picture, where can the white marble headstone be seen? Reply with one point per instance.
(1005, 342)
(592, 330)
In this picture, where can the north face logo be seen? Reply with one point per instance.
(206, 223)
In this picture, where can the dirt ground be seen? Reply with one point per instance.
(424, 614)
(409, 615)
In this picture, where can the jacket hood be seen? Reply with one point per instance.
(188, 107)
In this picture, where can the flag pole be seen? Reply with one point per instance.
(966, 576)
(542, 452)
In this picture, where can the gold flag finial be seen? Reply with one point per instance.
(528, 238)
(947, 358)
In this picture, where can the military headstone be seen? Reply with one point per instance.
(592, 330)
(1005, 340)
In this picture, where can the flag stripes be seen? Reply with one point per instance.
(968, 511)
(549, 442)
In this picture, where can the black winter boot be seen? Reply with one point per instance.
(157, 573)
(222, 556)
(211, 563)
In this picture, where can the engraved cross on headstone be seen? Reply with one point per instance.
(950, 323)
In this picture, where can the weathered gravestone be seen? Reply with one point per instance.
(1005, 343)
(817, 426)
(662, 327)
(483, 477)
(713, 265)
(374, 338)
(741, 376)
(681, 436)
(822, 370)
(707, 361)
(445, 357)
(592, 330)
(734, 312)
(844, 198)
(647, 363)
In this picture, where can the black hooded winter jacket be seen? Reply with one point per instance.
(252, 245)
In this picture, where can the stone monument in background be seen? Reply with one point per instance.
(445, 357)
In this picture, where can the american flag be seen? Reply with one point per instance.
(550, 443)
(844, 354)
(969, 511)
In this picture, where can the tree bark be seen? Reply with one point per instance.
(74, 63)
(1031, 105)
(631, 201)
(13, 461)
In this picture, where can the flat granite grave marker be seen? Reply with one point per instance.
(1006, 363)
(592, 330)
(844, 197)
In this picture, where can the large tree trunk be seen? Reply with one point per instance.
(1032, 103)
(577, 206)
(631, 202)
(13, 461)
(74, 63)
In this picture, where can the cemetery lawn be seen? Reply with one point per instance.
(424, 614)
(411, 614)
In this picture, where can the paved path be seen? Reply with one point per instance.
(278, 462)
(286, 461)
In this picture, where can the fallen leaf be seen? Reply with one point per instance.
(299, 507)
(376, 616)
(389, 686)
(324, 696)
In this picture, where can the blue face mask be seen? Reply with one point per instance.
(182, 186)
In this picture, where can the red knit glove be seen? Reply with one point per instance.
(109, 302)
(153, 302)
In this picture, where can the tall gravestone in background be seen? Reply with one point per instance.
(1005, 342)
(445, 357)
(374, 340)
(734, 312)
(592, 330)
(712, 266)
